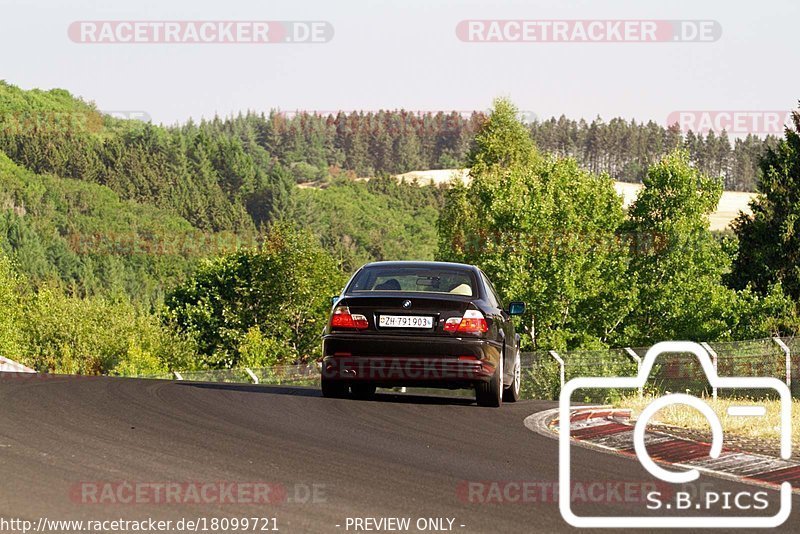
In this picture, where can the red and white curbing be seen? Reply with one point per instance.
(611, 429)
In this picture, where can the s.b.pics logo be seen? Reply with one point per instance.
(689, 502)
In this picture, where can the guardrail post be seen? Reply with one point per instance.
(788, 353)
(252, 375)
(562, 373)
(713, 354)
(177, 375)
(638, 360)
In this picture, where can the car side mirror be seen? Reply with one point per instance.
(334, 300)
(516, 308)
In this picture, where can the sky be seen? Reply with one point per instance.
(407, 54)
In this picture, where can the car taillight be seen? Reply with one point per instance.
(342, 318)
(473, 322)
(451, 325)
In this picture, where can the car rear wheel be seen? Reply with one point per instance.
(511, 393)
(362, 391)
(490, 393)
(332, 388)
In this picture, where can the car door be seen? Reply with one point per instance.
(507, 326)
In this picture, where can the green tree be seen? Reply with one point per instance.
(95, 335)
(677, 263)
(769, 239)
(544, 231)
(10, 311)
(502, 141)
(277, 296)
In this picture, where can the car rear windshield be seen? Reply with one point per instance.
(414, 279)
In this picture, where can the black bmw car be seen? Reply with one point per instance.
(421, 324)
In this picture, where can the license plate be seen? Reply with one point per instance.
(405, 321)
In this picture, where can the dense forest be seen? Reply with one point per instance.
(625, 150)
(132, 248)
(99, 203)
(315, 146)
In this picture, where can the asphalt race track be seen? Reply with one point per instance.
(395, 456)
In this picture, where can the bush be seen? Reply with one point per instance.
(10, 316)
(540, 379)
(264, 304)
(305, 172)
(92, 336)
(139, 362)
(258, 350)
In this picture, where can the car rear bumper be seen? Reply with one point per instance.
(409, 360)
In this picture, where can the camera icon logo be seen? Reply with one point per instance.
(675, 477)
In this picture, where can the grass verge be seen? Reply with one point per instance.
(766, 428)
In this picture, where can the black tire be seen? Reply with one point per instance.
(332, 388)
(490, 394)
(363, 391)
(511, 393)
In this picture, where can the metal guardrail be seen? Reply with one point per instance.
(301, 374)
(544, 372)
(776, 357)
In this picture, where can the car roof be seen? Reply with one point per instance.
(423, 264)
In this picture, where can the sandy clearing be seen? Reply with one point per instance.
(731, 203)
